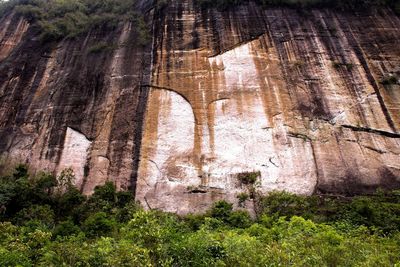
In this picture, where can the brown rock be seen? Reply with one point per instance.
(295, 97)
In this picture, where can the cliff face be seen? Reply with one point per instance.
(68, 105)
(294, 98)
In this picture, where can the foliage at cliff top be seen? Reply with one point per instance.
(46, 221)
(58, 19)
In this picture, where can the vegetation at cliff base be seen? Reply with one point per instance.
(46, 221)
(58, 19)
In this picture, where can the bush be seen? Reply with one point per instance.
(98, 224)
(221, 210)
(315, 231)
(248, 178)
(194, 221)
(242, 197)
(68, 202)
(373, 213)
(58, 19)
(43, 214)
(339, 65)
(240, 219)
(201, 248)
(389, 80)
(283, 204)
(66, 228)
(13, 258)
(101, 47)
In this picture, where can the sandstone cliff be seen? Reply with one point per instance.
(307, 101)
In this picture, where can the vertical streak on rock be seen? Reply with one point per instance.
(294, 96)
(13, 29)
(362, 57)
(99, 167)
(144, 92)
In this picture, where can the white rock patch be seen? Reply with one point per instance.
(74, 155)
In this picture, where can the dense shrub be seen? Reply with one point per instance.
(110, 229)
(283, 204)
(248, 178)
(380, 211)
(221, 210)
(98, 224)
(66, 228)
(58, 19)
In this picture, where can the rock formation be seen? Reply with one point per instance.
(301, 100)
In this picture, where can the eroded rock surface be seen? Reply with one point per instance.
(296, 98)
(47, 89)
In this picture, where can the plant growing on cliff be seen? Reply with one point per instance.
(389, 80)
(339, 65)
(242, 197)
(248, 178)
(101, 47)
(58, 19)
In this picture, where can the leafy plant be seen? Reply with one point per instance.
(242, 197)
(98, 224)
(248, 178)
(101, 47)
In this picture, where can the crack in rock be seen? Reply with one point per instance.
(300, 136)
(371, 130)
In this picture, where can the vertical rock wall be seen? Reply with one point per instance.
(68, 105)
(293, 97)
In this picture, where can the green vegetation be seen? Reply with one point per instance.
(389, 80)
(339, 65)
(101, 47)
(248, 178)
(242, 197)
(46, 221)
(58, 19)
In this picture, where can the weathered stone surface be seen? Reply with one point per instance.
(46, 89)
(12, 30)
(296, 97)
(75, 154)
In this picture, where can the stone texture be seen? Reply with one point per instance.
(12, 31)
(46, 89)
(75, 154)
(296, 96)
